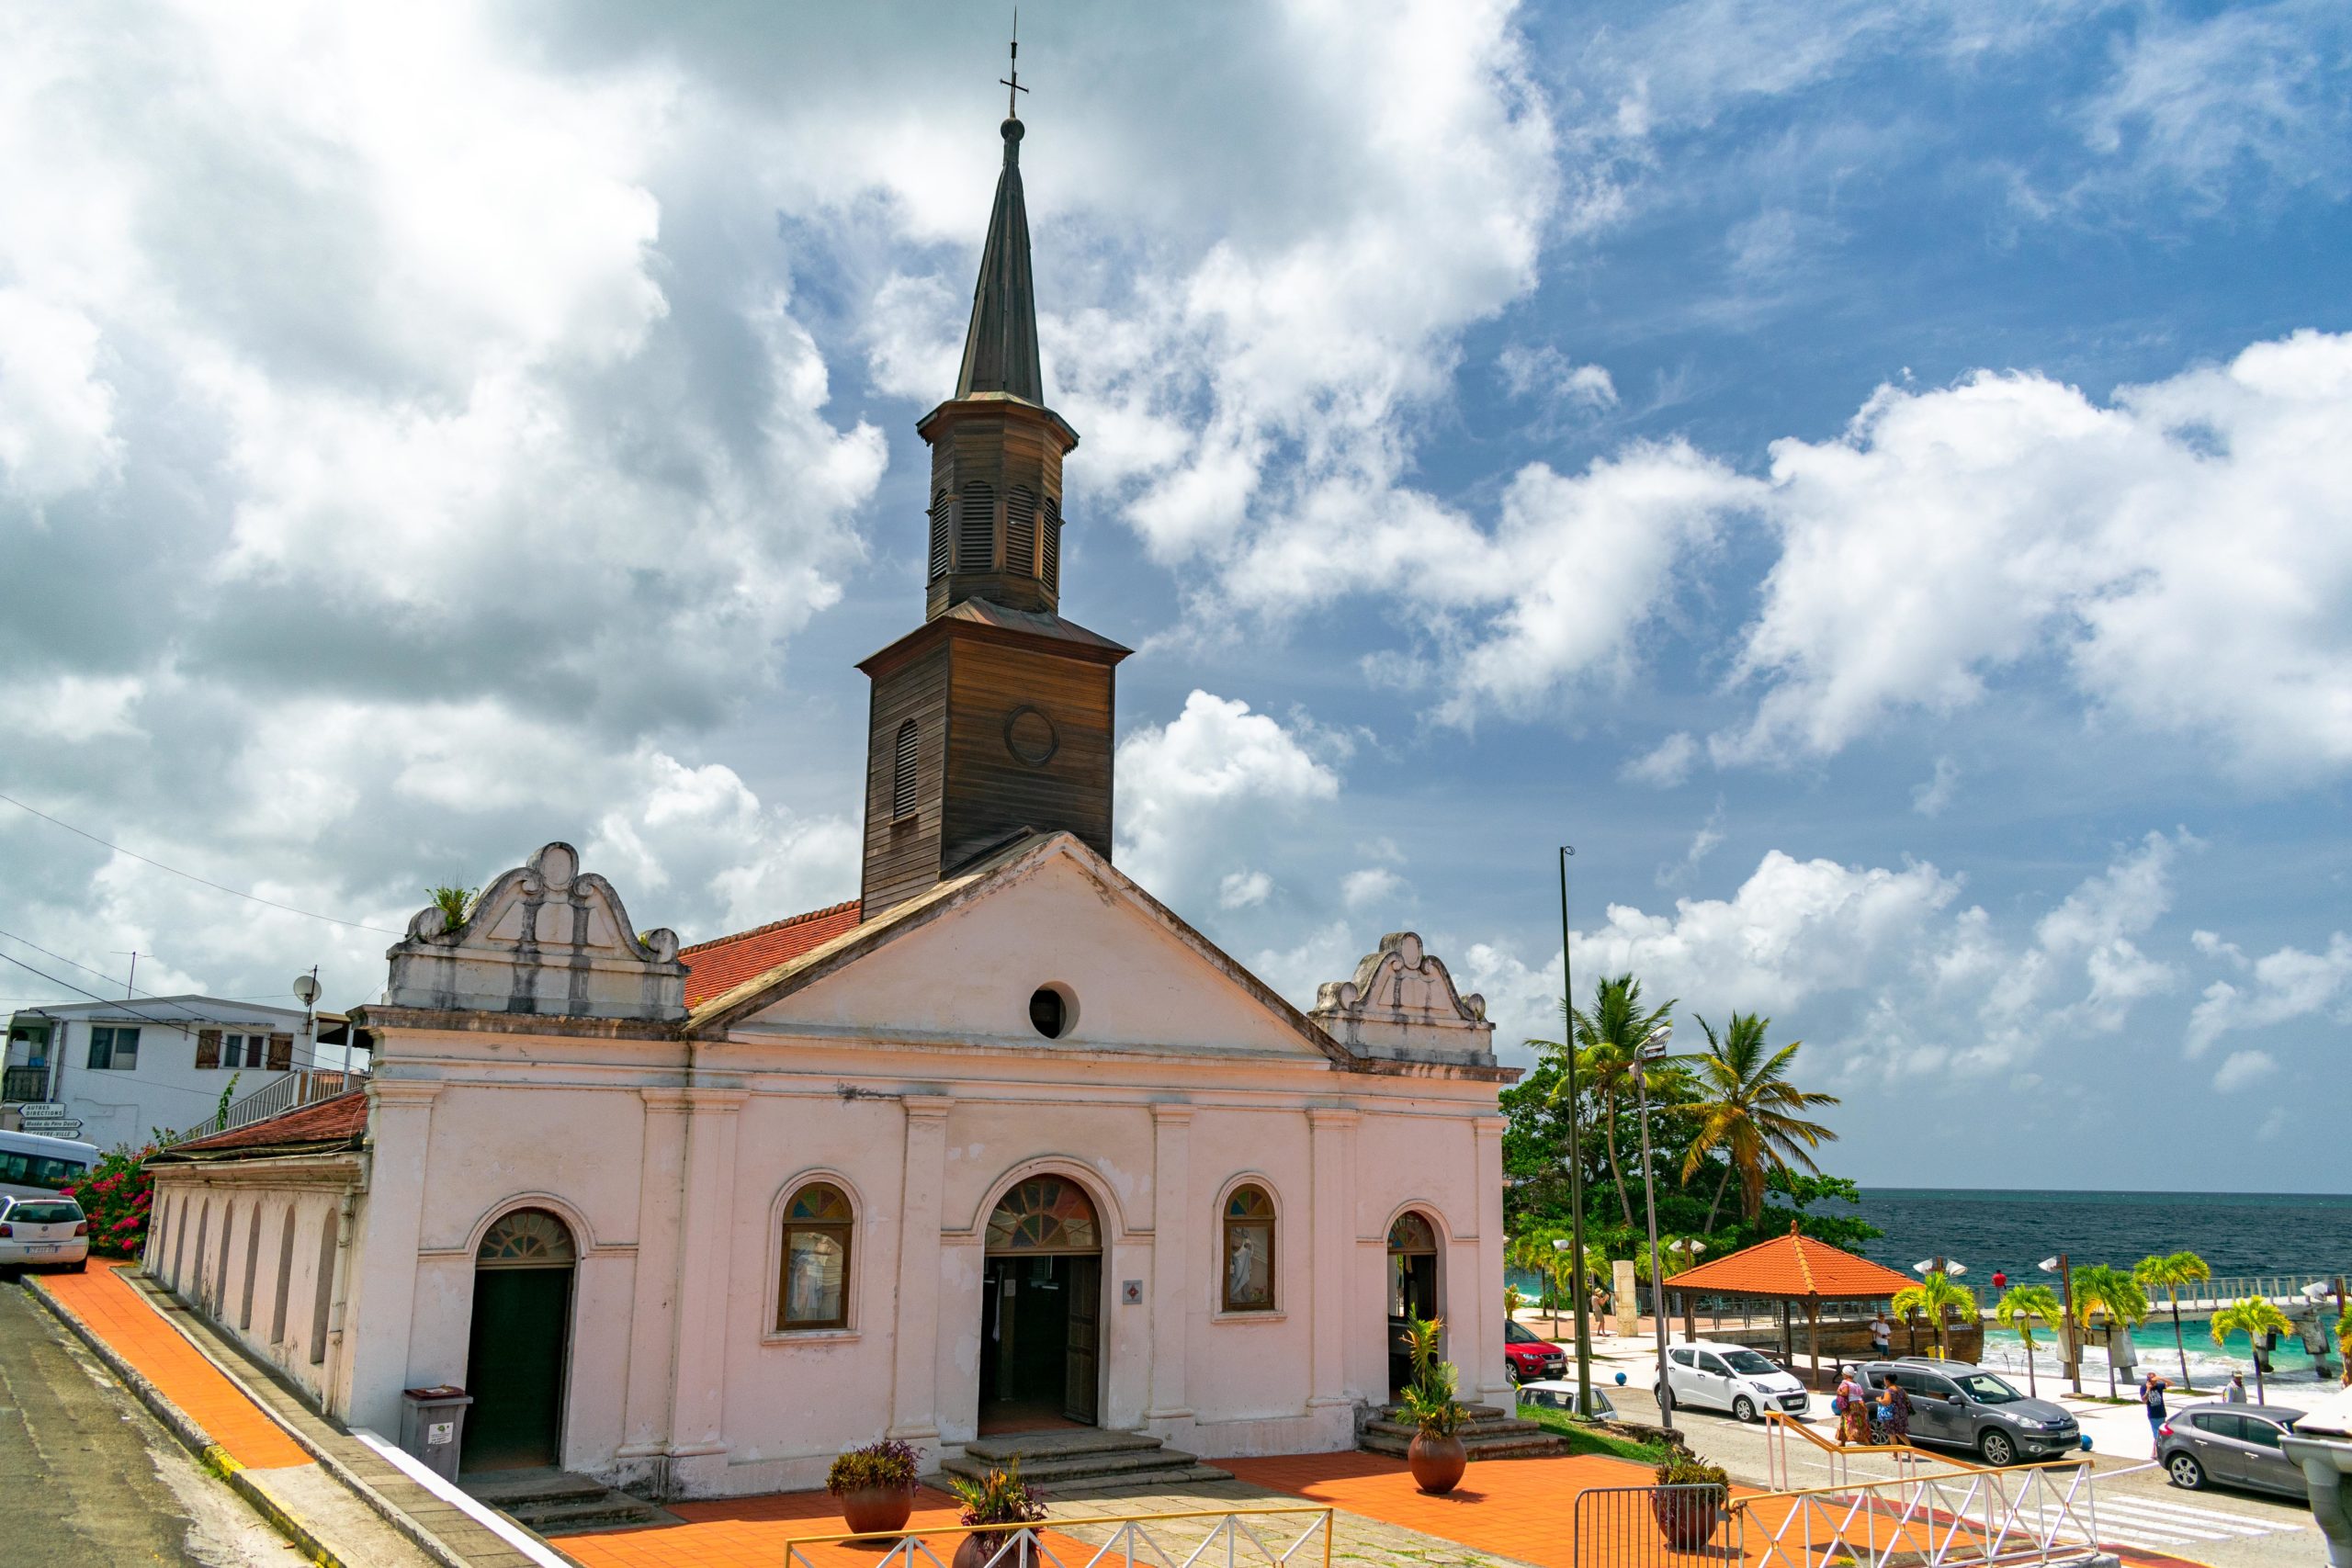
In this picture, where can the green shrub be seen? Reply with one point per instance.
(1000, 1497)
(1683, 1468)
(877, 1467)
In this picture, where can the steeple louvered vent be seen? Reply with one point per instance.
(975, 528)
(942, 521)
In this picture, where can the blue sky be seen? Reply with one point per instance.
(1870, 476)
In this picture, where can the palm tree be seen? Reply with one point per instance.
(2114, 1295)
(1610, 1040)
(2252, 1317)
(2023, 1308)
(1747, 1109)
(2168, 1274)
(1936, 1295)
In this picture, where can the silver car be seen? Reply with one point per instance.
(2237, 1445)
(43, 1232)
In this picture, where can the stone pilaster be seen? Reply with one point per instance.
(645, 1413)
(914, 1326)
(1332, 1221)
(1172, 1255)
(1492, 1386)
(400, 1113)
(705, 1273)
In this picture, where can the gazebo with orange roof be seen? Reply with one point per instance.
(1789, 1269)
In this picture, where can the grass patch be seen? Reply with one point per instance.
(1584, 1438)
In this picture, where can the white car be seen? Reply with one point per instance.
(43, 1232)
(1708, 1374)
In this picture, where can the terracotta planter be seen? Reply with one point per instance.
(979, 1547)
(877, 1510)
(1437, 1463)
(1688, 1518)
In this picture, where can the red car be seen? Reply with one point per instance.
(1529, 1357)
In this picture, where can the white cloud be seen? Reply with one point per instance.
(2242, 1070)
(1665, 765)
(1548, 374)
(1215, 777)
(1930, 798)
(1243, 889)
(2285, 985)
(1953, 534)
(57, 430)
(1371, 887)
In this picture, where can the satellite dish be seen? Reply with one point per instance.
(306, 988)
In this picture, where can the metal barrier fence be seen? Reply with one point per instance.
(1655, 1527)
(1232, 1537)
(1976, 1518)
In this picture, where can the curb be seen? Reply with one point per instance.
(190, 1435)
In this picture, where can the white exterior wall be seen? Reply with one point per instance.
(167, 1090)
(207, 1207)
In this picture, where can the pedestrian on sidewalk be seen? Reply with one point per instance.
(2152, 1395)
(1893, 1413)
(1600, 1308)
(1882, 1335)
(2235, 1393)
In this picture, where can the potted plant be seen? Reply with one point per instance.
(999, 1498)
(875, 1485)
(1436, 1454)
(1688, 1514)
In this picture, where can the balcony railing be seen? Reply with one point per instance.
(20, 1083)
(304, 1085)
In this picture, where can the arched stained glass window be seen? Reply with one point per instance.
(1044, 1214)
(1249, 1224)
(814, 1290)
(527, 1238)
(1412, 1233)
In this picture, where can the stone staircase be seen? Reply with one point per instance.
(1085, 1458)
(556, 1501)
(1488, 1433)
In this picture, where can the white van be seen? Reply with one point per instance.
(34, 1167)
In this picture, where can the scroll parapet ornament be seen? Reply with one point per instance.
(1401, 1004)
(543, 939)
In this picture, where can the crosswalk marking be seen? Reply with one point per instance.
(2158, 1522)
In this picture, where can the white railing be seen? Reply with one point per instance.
(1972, 1518)
(303, 1086)
(1229, 1537)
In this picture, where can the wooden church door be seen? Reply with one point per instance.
(1081, 1359)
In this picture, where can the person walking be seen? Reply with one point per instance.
(2152, 1395)
(1882, 1335)
(2235, 1393)
(1893, 1413)
(1852, 1407)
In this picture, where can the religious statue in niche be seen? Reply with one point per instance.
(1248, 1251)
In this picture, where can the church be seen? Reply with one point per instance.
(1000, 1142)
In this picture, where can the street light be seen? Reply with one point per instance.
(1576, 1147)
(2066, 1272)
(1654, 1049)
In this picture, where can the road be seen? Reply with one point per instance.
(2137, 1507)
(89, 1478)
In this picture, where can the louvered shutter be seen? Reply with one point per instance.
(903, 764)
(1052, 572)
(1021, 530)
(943, 517)
(975, 528)
(208, 1047)
(281, 1053)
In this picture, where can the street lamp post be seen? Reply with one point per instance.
(1576, 1151)
(1653, 1049)
(2066, 1272)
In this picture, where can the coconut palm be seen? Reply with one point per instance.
(1746, 1108)
(2113, 1294)
(2254, 1318)
(1608, 1040)
(1936, 1295)
(2168, 1274)
(2024, 1308)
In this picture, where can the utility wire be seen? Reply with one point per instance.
(215, 887)
(83, 967)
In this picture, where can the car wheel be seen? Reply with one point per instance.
(1742, 1409)
(1510, 1374)
(2185, 1473)
(1997, 1447)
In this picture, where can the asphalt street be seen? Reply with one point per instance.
(2136, 1505)
(89, 1478)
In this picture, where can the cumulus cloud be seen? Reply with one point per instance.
(2242, 1069)
(1374, 888)
(1953, 534)
(1665, 765)
(1243, 889)
(2274, 989)
(1202, 796)
(1930, 798)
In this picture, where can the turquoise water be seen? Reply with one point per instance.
(2235, 1233)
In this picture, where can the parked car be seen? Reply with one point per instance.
(43, 1232)
(1527, 1358)
(2237, 1445)
(1956, 1406)
(1714, 1376)
(1555, 1394)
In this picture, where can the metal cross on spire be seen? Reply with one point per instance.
(1013, 82)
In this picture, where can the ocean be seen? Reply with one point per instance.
(2235, 1233)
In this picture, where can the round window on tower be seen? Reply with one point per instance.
(1030, 736)
(1052, 1011)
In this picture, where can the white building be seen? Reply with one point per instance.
(126, 1070)
(1001, 1140)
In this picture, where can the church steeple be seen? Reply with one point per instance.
(1000, 345)
(995, 715)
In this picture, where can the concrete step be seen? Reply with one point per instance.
(556, 1501)
(614, 1511)
(1470, 1432)
(1059, 1442)
(503, 1488)
(1396, 1445)
(1169, 1478)
(1048, 1471)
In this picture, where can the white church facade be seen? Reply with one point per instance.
(1002, 1142)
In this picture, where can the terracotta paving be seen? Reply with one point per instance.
(747, 1531)
(122, 1317)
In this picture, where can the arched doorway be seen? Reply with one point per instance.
(1041, 1308)
(521, 1343)
(1412, 1287)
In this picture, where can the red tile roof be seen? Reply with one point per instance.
(727, 962)
(1792, 1267)
(335, 1121)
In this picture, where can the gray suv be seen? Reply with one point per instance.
(1956, 1406)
